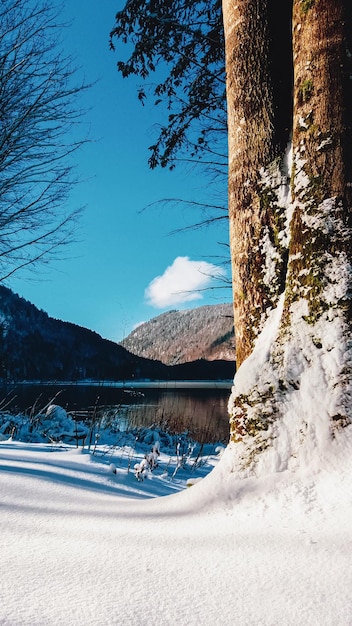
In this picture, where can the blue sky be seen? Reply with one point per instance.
(126, 267)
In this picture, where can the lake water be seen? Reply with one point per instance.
(200, 407)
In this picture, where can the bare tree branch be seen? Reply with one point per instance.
(39, 135)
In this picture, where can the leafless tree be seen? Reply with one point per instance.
(39, 120)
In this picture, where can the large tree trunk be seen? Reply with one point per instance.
(319, 269)
(304, 350)
(321, 176)
(255, 91)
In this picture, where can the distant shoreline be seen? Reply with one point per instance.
(131, 384)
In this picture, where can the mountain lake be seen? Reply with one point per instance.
(199, 407)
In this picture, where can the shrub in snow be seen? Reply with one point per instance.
(141, 469)
(112, 468)
(3, 428)
(149, 462)
(56, 412)
(153, 455)
(57, 424)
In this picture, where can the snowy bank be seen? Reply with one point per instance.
(84, 546)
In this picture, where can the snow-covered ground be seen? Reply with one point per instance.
(83, 543)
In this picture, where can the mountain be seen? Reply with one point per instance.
(182, 336)
(35, 346)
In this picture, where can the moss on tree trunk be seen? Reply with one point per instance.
(256, 131)
(312, 268)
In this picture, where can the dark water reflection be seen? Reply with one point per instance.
(202, 411)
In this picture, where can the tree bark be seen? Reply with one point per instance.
(308, 336)
(321, 176)
(256, 215)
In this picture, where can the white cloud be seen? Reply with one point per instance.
(181, 282)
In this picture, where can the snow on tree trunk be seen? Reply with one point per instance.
(254, 227)
(294, 390)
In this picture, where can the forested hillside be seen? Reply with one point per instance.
(183, 336)
(34, 346)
